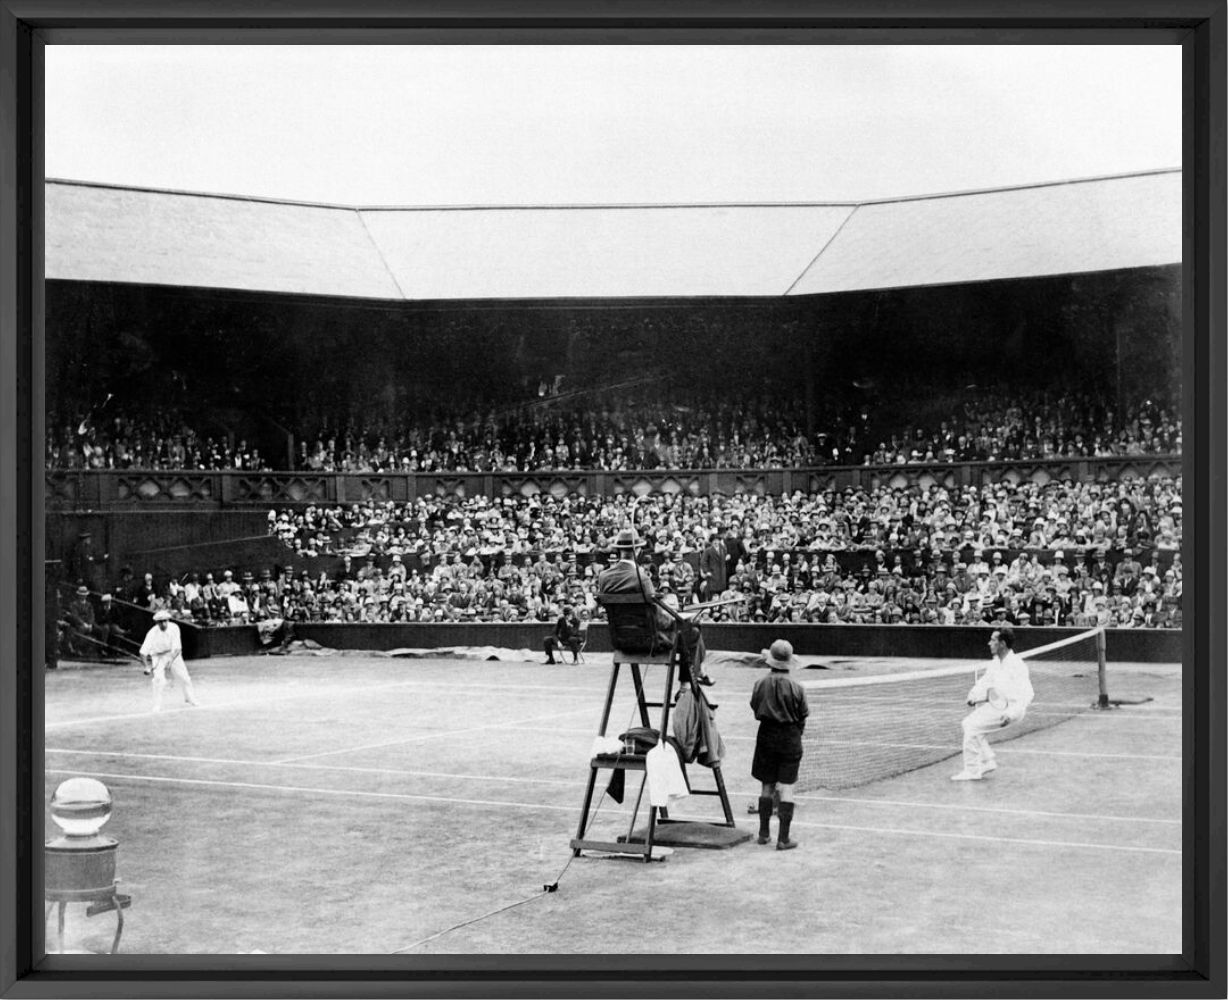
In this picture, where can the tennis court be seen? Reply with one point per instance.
(376, 805)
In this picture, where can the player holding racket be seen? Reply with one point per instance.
(161, 649)
(999, 696)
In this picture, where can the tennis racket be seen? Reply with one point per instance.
(994, 697)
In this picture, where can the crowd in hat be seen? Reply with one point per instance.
(658, 429)
(1061, 553)
(993, 586)
(164, 441)
(702, 430)
(1144, 513)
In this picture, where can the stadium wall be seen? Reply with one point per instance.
(852, 641)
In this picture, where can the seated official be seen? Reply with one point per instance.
(566, 635)
(84, 638)
(625, 576)
(109, 627)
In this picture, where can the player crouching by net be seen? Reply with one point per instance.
(999, 697)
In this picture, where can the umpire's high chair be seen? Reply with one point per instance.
(634, 635)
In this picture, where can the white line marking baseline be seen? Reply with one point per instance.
(538, 806)
(735, 791)
(332, 691)
(325, 767)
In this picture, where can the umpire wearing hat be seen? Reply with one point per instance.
(779, 703)
(625, 576)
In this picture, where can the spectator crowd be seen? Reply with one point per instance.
(164, 443)
(1063, 553)
(655, 428)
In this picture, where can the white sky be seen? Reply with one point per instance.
(497, 125)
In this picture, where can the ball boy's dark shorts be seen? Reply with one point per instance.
(778, 753)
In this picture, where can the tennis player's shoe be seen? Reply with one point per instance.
(966, 776)
(786, 845)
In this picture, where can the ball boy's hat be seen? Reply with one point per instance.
(83, 591)
(780, 655)
(162, 616)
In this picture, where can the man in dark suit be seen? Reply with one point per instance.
(735, 551)
(84, 639)
(712, 573)
(566, 635)
(109, 624)
(624, 576)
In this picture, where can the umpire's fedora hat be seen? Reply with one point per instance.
(627, 539)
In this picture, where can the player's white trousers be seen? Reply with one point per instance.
(978, 754)
(178, 670)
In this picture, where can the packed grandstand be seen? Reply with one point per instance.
(637, 430)
(1000, 445)
(1061, 554)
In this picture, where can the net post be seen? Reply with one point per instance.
(1101, 661)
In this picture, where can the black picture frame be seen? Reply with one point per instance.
(26, 26)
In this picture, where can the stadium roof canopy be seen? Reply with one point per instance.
(114, 234)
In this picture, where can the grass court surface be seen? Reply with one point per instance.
(373, 805)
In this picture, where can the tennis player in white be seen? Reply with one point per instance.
(163, 648)
(999, 697)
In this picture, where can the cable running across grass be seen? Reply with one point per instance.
(547, 887)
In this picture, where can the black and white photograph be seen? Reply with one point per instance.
(638, 500)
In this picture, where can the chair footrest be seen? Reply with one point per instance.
(619, 761)
(642, 659)
(612, 847)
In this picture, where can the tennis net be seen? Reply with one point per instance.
(866, 728)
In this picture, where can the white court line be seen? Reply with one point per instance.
(1001, 748)
(538, 807)
(1155, 715)
(430, 736)
(319, 767)
(963, 807)
(748, 791)
(589, 733)
(323, 692)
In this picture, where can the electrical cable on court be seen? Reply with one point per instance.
(547, 887)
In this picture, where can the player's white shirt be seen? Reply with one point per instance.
(162, 644)
(1009, 677)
